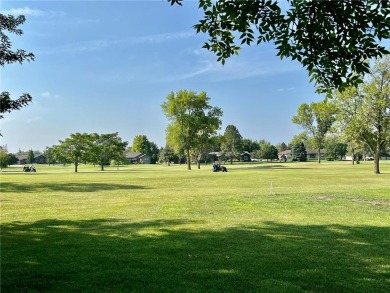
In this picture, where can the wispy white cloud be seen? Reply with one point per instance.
(86, 46)
(160, 38)
(236, 70)
(96, 45)
(286, 89)
(206, 67)
(49, 95)
(27, 11)
(33, 119)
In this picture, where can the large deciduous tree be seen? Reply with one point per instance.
(365, 111)
(192, 121)
(232, 143)
(9, 24)
(75, 149)
(268, 151)
(107, 147)
(331, 39)
(317, 118)
(142, 144)
(349, 103)
(166, 155)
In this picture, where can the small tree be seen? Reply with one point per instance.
(49, 155)
(281, 147)
(107, 147)
(75, 149)
(334, 148)
(250, 145)
(3, 158)
(167, 154)
(268, 151)
(12, 159)
(30, 157)
(317, 119)
(232, 144)
(299, 153)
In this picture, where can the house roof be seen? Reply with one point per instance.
(134, 155)
(311, 151)
(286, 152)
(308, 151)
(21, 157)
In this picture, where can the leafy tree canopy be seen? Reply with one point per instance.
(364, 112)
(317, 118)
(299, 152)
(192, 120)
(331, 39)
(232, 145)
(9, 24)
(142, 144)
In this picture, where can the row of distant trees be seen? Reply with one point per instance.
(354, 120)
(357, 116)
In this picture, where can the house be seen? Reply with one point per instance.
(311, 154)
(245, 157)
(40, 159)
(137, 158)
(214, 156)
(22, 159)
(285, 155)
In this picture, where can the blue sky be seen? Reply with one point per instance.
(107, 66)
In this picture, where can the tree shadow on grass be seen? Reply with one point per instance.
(267, 166)
(65, 186)
(106, 255)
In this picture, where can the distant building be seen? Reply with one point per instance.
(246, 157)
(40, 159)
(22, 159)
(137, 158)
(311, 154)
(214, 156)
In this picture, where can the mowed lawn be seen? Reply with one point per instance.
(267, 227)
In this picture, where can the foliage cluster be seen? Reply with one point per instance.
(331, 39)
(193, 123)
(142, 145)
(9, 24)
(364, 112)
(92, 148)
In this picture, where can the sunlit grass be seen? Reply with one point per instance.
(268, 227)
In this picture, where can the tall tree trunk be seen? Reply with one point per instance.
(353, 156)
(188, 160)
(198, 164)
(102, 167)
(376, 158)
(76, 163)
(319, 156)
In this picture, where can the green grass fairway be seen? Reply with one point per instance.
(268, 227)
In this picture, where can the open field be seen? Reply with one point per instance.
(268, 227)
